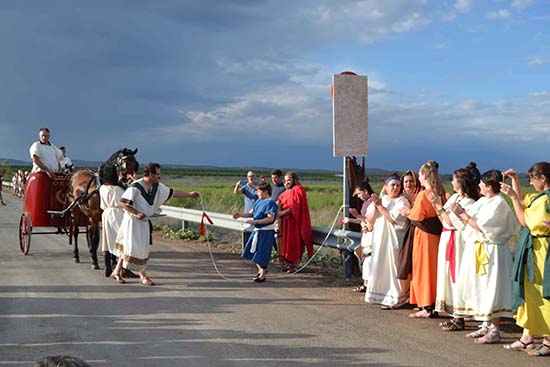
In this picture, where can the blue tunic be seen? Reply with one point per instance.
(266, 239)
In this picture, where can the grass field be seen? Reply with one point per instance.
(324, 188)
(324, 191)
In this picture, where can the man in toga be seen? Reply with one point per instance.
(140, 201)
(295, 222)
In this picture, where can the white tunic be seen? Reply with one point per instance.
(383, 286)
(50, 155)
(132, 241)
(446, 298)
(487, 296)
(111, 218)
(66, 162)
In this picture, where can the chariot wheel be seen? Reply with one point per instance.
(25, 230)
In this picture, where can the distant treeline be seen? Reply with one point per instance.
(375, 177)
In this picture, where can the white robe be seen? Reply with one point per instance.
(383, 286)
(111, 218)
(366, 241)
(489, 295)
(446, 295)
(132, 241)
(49, 154)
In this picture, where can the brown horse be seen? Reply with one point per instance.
(83, 197)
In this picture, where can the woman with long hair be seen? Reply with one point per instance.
(451, 246)
(531, 271)
(426, 241)
(390, 226)
(485, 285)
(410, 186)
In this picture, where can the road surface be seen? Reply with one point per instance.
(50, 305)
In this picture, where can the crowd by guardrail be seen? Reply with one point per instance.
(339, 239)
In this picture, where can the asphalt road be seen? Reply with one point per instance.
(50, 305)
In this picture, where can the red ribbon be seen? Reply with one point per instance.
(203, 227)
(450, 255)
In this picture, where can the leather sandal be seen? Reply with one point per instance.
(478, 333)
(524, 346)
(147, 281)
(492, 337)
(538, 351)
(118, 278)
(454, 325)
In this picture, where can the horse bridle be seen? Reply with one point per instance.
(121, 164)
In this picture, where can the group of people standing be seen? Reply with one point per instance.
(283, 208)
(126, 229)
(450, 254)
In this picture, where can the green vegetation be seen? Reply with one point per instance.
(324, 199)
(5, 170)
(184, 234)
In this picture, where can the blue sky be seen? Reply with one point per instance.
(246, 82)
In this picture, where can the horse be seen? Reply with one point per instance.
(83, 197)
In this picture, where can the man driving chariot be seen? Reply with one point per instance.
(45, 156)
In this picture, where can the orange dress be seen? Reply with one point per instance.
(424, 254)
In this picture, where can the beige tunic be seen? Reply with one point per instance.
(132, 241)
(112, 215)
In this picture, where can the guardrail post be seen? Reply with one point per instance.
(184, 225)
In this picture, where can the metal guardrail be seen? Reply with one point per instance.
(339, 239)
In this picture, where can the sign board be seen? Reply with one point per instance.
(350, 115)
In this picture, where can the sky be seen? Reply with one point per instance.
(246, 83)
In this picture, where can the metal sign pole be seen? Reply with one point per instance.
(345, 192)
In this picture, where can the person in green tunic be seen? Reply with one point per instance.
(531, 271)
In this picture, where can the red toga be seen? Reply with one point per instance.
(295, 226)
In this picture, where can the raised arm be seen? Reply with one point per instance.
(237, 189)
(515, 193)
(438, 205)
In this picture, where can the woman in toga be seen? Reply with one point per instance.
(426, 241)
(485, 285)
(390, 226)
(451, 246)
(531, 271)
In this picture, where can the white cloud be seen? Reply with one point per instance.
(463, 6)
(522, 4)
(415, 20)
(440, 46)
(448, 17)
(538, 60)
(371, 21)
(498, 14)
(539, 94)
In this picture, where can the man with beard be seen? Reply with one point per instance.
(295, 222)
